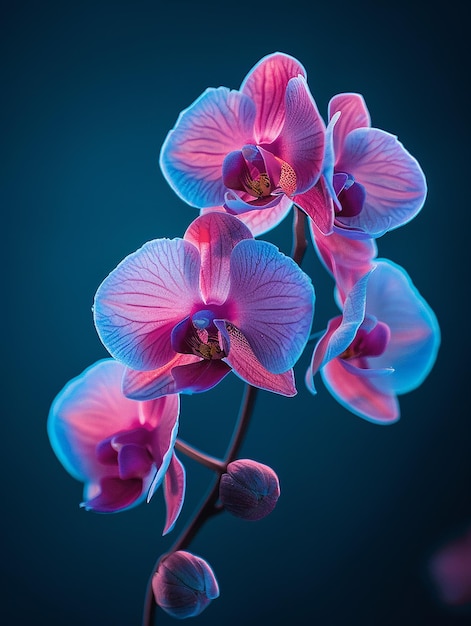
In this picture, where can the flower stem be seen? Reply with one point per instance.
(208, 508)
(205, 459)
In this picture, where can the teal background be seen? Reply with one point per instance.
(89, 92)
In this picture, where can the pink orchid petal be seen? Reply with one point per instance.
(266, 84)
(275, 302)
(353, 114)
(344, 258)
(317, 204)
(240, 203)
(260, 221)
(415, 334)
(141, 300)
(393, 180)
(164, 413)
(200, 376)
(217, 123)
(88, 410)
(301, 141)
(246, 365)
(133, 461)
(215, 236)
(358, 395)
(174, 492)
(320, 351)
(152, 384)
(115, 495)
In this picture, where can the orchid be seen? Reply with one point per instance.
(384, 344)
(182, 313)
(120, 449)
(177, 316)
(369, 179)
(252, 150)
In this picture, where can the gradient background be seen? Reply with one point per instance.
(90, 91)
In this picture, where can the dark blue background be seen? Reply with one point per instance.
(89, 92)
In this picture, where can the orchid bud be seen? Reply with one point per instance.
(184, 584)
(249, 489)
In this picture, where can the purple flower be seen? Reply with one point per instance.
(450, 570)
(181, 313)
(120, 449)
(384, 344)
(369, 179)
(184, 584)
(249, 150)
(249, 490)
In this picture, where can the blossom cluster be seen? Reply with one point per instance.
(179, 315)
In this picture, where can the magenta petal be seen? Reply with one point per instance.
(346, 259)
(353, 114)
(246, 365)
(266, 85)
(87, 411)
(240, 204)
(261, 220)
(115, 495)
(393, 180)
(215, 235)
(174, 492)
(200, 376)
(358, 395)
(317, 204)
(301, 141)
(217, 123)
(141, 300)
(320, 350)
(275, 302)
(133, 461)
(152, 384)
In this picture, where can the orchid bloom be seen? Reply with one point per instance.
(120, 449)
(181, 313)
(253, 150)
(369, 180)
(384, 344)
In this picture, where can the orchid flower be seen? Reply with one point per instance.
(181, 313)
(252, 150)
(120, 449)
(384, 344)
(369, 180)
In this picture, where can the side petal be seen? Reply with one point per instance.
(415, 334)
(218, 122)
(116, 495)
(200, 376)
(275, 303)
(358, 395)
(141, 300)
(353, 114)
(174, 492)
(89, 409)
(393, 180)
(247, 367)
(346, 259)
(163, 436)
(266, 84)
(302, 138)
(152, 384)
(262, 220)
(215, 236)
(317, 204)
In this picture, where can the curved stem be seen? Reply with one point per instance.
(205, 459)
(208, 507)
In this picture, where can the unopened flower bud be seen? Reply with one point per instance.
(249, 490)
(184, 584)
